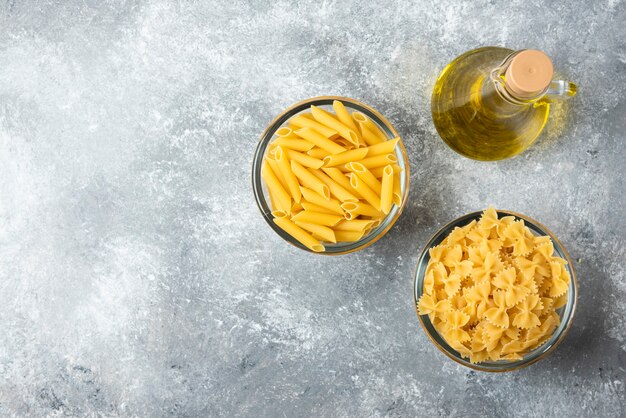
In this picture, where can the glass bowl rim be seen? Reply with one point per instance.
(542, 351)
(266, 137)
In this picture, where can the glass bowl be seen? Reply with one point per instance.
(566, 312)
(325, 102)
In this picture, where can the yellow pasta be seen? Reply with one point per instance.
(345, 157)
(302, 121)
(317, 218)
(317, 152)
(386, 147)
(324, 232)
(327, 119)
(365, 175)
(343, 116)
(309, 180)
(330, 204)
(386, 193)
(283, 200)
(361, 188)
(294, 144)
(490, 308)
(320, 140)
(290, 179)
(298, 233)
(324, 180)
(363, 120)
(335, 188)
(305, 160)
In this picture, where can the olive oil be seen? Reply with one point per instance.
(476, 113)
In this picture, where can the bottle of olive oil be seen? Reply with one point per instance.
(492, 103)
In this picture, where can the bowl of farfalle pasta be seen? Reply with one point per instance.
(330, 175)
(495, 290)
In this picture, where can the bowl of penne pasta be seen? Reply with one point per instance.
(495, 290)
(330, 175)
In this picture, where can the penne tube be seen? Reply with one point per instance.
(296, 207)
(273, 203)
(343, 116)
(368, 194)
(397, 190)
(335, 188)
(290, 179)
(386, 191)
(309, 180)
(330, 204)
(299, 234)
(356, 225)
(302, 121)
(361, 119)
(345, 157)
(378, 171)
(329, 120)
(305, 160)
(294, 144)
(312, 207)
(361, 208)
(386, 147)
(278, 213)
(346, 144)
(319, 218)
(368, 136)
(348, 236)
(321, 141)
(317, 152)
(379, 161)
(284, 132)
(321, 231)
(283, 200)
(365, 175)
(338, 177)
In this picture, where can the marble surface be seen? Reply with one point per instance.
(139, 279)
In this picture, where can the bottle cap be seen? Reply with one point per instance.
(529, 73)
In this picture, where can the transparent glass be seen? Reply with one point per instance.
(566, 312)
(325, 102)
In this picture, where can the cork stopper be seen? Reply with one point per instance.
(529, 73)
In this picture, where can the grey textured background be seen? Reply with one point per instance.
(138, 278)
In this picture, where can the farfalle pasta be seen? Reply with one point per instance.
(491, 289)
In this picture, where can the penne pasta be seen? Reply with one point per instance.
(338, 177)
(283, 200)
(309, 180)
(305, 160)
(397, 190)
(361, 208)
(356, 225)
(274, 165)
(346, 144)
(294, 144)
(378, 171)
(386, 193)
(278, 213)
(368, 136)
(324, 232)
(302, 121)
(348, 236)
(379, 160)
(296, 207)
(284, 132)
(360, 118)
(330, 204)
(368, 194)
(365, 175)
(299, 234)
(317, 152)
(312, 207)
(321, 141)
(327, 119)
(319, 218)
(345, 157)
(386, 147)
(344, 117)
(289, 178)
(335, 188)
